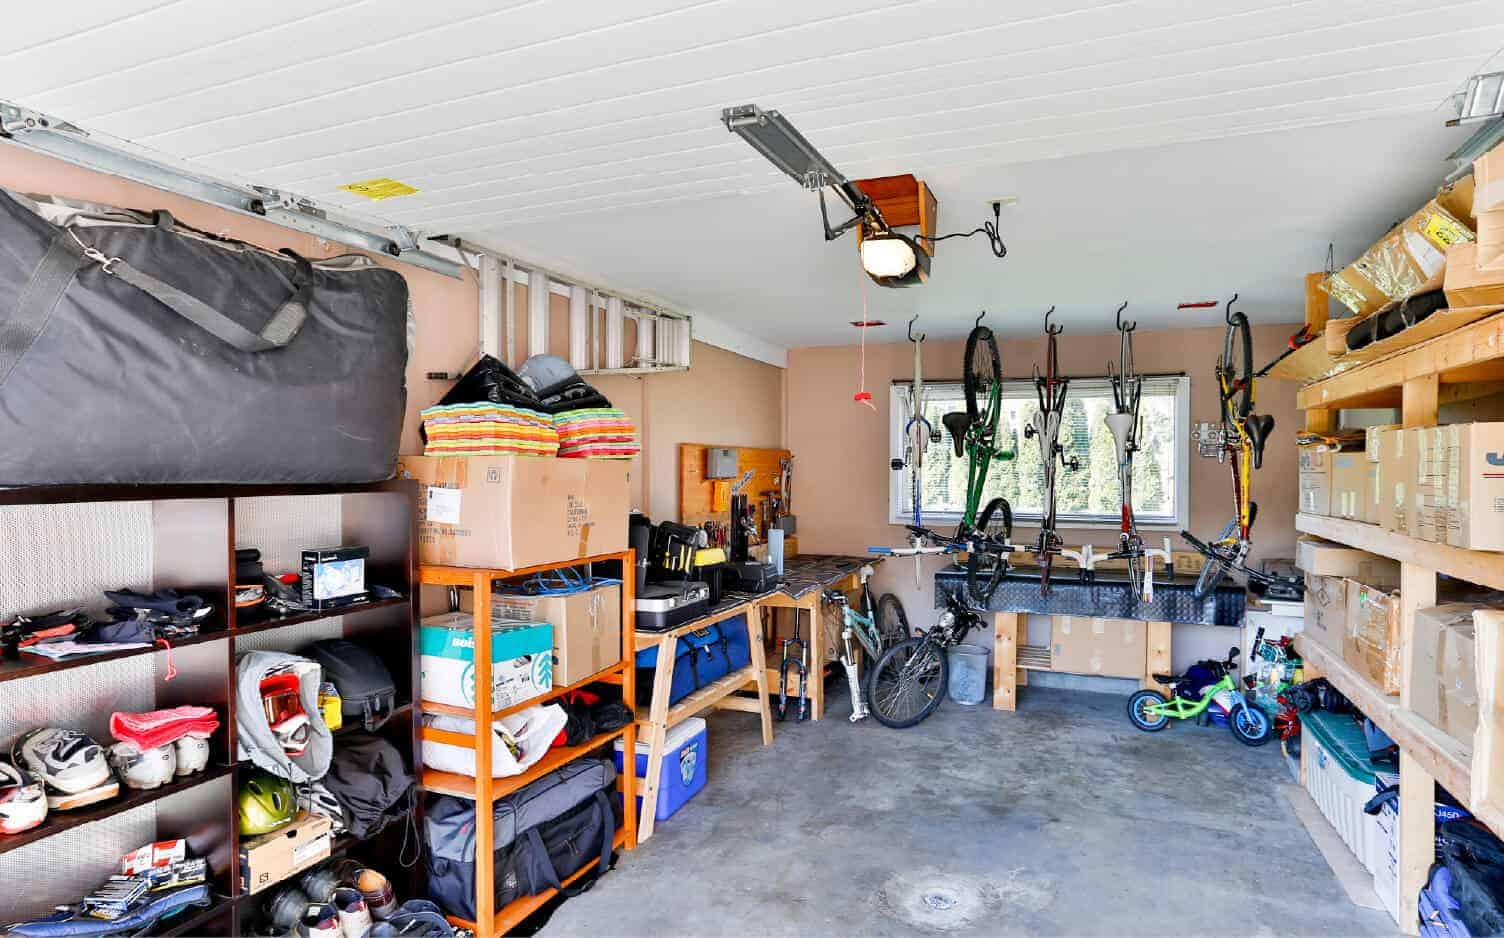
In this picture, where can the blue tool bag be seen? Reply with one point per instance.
(700, 658)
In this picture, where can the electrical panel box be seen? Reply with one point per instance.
(720, 462)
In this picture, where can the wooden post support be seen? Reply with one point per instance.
(1417, 591)
(1420, 401)
(1005, 660)
(760, 670)
(1488, 741)
(1318, 303)
(1417, 838)
(1157, 656)
(816, 658)
(663, 679)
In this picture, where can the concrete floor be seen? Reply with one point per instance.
(1059, 819)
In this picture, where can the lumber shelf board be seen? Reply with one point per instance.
(1484, 568)
(705, 697)
(1466, 354)
(1443, 758)
(646, 639)
(464, 786)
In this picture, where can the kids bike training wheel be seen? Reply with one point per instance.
(983, 370)
(1141, 717)
(907, 683)
(892, 623)
(1250, 725)
(1237, 359)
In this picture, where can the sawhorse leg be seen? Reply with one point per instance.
(656, 731)
(760, 669)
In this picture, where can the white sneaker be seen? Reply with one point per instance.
(354, 917)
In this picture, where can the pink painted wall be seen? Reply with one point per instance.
(843, 448)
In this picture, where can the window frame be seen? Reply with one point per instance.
(1023, 388)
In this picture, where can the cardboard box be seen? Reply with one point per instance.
(1474, 485)
(1488, 181)
(1443, 679)
(1372, 437)
(521, 660)
(1467, 284)
(586, 627)
(1317, 557)
(1373, 487)
(1428, 517)
(1326, 611)
(271, 858)
(1371, 642)
(1409, 259)
(1459, 198)
(1349, 485)
(1315, 481)
(1109, 647)
(1491, 240)
(1397, 467)
(511, 512)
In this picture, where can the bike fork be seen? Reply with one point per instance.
(801, 669)
(848, 660)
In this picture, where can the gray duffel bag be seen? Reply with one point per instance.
(134, 349)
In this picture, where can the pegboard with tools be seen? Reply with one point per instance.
(704, 499)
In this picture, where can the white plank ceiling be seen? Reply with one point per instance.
(1163, 149)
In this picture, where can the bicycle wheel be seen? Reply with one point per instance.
(1250, 725)
(908, 683)
(1138, 711)
(1237, 358)
(1214, 570)
(985, 569)
(892, 623)
(983, 369)
(996, 520)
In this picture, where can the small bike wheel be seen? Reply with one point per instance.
(1250, 725)
(1237, 358)
(1138, 711)
(983, 369)
(892, 622)
(907, 683)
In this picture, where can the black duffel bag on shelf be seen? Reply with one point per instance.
(134, 349)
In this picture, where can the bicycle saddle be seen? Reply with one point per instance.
(1168, 678)
(1259, 427)
(833, 596)
(957, 423)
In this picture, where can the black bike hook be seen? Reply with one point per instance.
(1130, 326)
(911, 330)
(980, 317)
(1228, 313)
(1049, 329)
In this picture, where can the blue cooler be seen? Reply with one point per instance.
(683, 766)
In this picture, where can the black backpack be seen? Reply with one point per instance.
(365, 686)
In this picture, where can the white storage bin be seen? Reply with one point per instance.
(1341, 795)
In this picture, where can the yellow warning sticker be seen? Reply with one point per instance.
(378, 189)
(1444, 231)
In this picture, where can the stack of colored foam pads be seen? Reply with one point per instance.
(596, 433)
(485, 429)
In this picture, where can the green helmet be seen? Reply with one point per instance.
(265, 803)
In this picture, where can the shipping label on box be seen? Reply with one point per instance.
(1475, 486)
(521, 661)
(586, 627)
(1349, 485)
(271, 858)
(1110, 647)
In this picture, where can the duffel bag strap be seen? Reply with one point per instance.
(36, 302)
(277, 333)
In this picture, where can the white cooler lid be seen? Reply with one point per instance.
(676, 737)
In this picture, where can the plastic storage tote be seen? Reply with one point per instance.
(968, 674)
(1340, 778)
(683, 766)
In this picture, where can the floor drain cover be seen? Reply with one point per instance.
(932, 900)
(940, 901)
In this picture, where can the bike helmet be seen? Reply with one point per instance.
(70, 764)
(192, 754)
(265, 803)
(23, 804)
(139, 769)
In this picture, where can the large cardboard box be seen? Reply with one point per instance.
(1443, 680)
(1324, 558)
(510, 512)
(1315, 481)
(1469, 285)
(1350, 485)
(1428, 516)
(271, 858)
(587, 627)
(1474, 485)
(1397, 465)
(1372, 437)
(1408, 259)
(1109, 647)
(1326, 611)
(1371, 643)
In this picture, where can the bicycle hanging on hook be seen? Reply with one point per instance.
(1051, 388)
(1123, 422)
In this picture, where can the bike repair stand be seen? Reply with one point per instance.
(801, 667)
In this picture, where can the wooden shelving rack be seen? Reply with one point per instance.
(1463, 364)
(193, 540)
(483, 788)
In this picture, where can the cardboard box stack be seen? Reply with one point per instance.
(1443, 484)
(1475, 272)
(1330, 571)
(1111, 647)
(1315, 481)
(1443, 678)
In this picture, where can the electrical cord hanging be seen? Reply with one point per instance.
(992, 229)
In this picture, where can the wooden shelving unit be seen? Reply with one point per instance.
(483, 789)
(1464, 363)
(192, 545)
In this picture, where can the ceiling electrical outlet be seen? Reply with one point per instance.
(1004, 201)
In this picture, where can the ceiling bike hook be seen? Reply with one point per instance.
(911, 329)
(1227, 315)
(1121, 327)
(978, 322)
(1049, 329)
